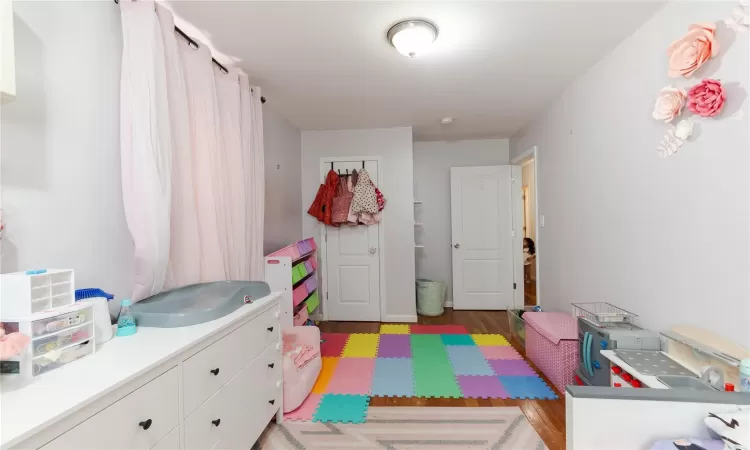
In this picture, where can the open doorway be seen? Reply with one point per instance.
(529, 162)
(529, 231)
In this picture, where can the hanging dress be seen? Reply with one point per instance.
(321, 206)
(342, 201)
(365, 200)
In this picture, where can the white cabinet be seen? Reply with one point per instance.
(175, 401)
(138, 421)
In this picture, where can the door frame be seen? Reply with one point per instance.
(323, 247)
(533, 153)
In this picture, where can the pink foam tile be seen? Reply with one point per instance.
(438, 329)
(333, 344)
(306, 410)
(352, 376)
(498, 352)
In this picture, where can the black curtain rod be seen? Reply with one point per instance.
(195, 44)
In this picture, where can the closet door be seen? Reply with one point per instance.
(352, 267)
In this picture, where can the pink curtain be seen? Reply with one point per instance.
(185, 251)
(192, 158)
(254, 166)
(146, 145)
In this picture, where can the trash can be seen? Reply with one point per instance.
(430, 296)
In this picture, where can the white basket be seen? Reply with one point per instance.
(57, 338)
(23, 294)
(601, 312)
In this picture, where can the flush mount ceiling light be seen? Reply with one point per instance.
(412, 37)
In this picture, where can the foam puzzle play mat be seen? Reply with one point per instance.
(432, 361)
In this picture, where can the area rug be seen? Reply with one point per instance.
(428, 361)
(423, 428)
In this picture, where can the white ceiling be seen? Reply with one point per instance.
(494, 67)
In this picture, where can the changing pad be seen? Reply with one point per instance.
(555, 326)
(197, 303)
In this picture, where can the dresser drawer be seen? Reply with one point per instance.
(259, 411)
(171, 442)
(138, 421)
(211, 368)
(216, 416)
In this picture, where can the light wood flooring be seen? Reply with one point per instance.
(546, 416)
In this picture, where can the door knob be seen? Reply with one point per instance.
(373, 250)
(456, 245)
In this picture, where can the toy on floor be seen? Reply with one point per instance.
(302, 364)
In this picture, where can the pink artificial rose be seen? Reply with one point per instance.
(689, 52)
(669, 103)
(706, 98)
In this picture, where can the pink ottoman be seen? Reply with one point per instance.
(552, 345)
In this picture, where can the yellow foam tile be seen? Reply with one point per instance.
(394, 329)
(361, 345)
(326, 372)
(489, 339)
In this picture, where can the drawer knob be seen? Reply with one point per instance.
(269, 328)
(146, 424)
(215, 371)
(272, 401)
(216, 422)
(271, 365)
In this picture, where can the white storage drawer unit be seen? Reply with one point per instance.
(138, 421)
(29, 293)
(213, 419)
(210, 385)
(211, 368)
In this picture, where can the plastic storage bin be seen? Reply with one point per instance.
(517, 325)
(57, 338)
(552, 345)
(299, 294)
(311, 284)
(24, 294)
(312, 302)
(300, 318)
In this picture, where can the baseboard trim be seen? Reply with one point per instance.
(400, 318)
(448, 305)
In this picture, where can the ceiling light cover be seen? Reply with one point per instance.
(412, 37)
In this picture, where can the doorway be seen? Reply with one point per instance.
(352, 258)
(530, 249)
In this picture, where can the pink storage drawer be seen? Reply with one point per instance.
(309, 265)
(314, 262)
(552, 345)
(290, 250)
(311, 284)
(299, 294)
(311, 244)
(301, 317)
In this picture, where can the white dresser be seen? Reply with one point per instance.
(210, 386)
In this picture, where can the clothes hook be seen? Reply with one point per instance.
(363, 164)
(331, 165)
(347, 172)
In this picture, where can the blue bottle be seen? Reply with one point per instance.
(125, 321)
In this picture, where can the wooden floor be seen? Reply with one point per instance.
(529, 293)
(547, 416)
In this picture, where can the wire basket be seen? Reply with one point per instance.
(602, 313)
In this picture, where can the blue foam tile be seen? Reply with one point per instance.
(394, 377)
(527, 387)
(468, 360)
(457, 339)
(342, 408)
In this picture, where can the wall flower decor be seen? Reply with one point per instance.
(669, 103)
(674, 138)
(740, 18)
(690, 52)
(706, 98)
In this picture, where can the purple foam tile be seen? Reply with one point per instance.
(394, 346)
(511, 367)
(474, 386)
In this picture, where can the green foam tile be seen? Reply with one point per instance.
(341, 408)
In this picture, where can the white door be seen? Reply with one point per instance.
(482, 229)
(352, 267)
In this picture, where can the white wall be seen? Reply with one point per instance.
(665, 239)
(394, 145)
(432, 163)
(283, 158)
(62, 199)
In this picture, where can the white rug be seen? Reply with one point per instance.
(406, 427)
